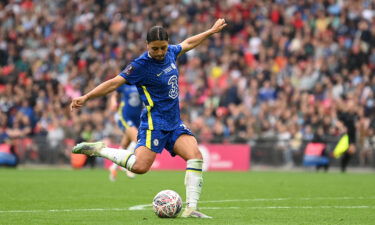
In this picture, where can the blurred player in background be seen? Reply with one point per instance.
(128, 119)
(156, 76)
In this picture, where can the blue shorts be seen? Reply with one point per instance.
(125, 122)
(157, 140)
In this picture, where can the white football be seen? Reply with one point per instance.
(167, 204)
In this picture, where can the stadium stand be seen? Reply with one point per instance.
(281, 71)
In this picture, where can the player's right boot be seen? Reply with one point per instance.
(194, 213)
(112, 175)
(88, 148)
(113, 172)
(130, 174)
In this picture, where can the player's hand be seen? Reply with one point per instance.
(219, 25)
(78, 102)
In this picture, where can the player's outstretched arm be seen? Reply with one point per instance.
(196, 40)
(101, 90)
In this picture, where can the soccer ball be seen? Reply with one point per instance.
(167, 204)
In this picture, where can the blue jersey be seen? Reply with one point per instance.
(157, 84)
(130, 107)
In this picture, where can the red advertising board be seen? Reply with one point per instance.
(314, 149)
(217, 157)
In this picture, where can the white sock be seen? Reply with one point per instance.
(121, 157)
(131, 146)
(193, 182)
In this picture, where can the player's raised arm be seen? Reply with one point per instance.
(101, 90)
(196, 40)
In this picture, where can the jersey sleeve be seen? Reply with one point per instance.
(133, 73)
(175, 49)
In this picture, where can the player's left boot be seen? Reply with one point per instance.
(88, 148)
(194, 213)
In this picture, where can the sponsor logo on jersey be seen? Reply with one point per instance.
(167, 70)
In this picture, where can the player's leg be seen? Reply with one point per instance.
(129, 138)
(121, 157)
(113, 168)
(131, 134)
(139, 162)
(125, 140)
(129, 142)
(113, 172)
(122, 124)
(150, 142)
(186, 146)
(145, 157)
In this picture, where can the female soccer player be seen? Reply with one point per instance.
(156, 76)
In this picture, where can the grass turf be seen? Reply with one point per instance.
(88, 197)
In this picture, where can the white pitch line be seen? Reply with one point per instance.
(63, 210)
(206, 208)
(313, 207)
(142, 207)
(294, 207)
(283, 199)
(147, 206)
(247, 200)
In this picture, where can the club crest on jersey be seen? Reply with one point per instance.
(156, 142)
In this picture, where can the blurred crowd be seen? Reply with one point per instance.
(283, 70)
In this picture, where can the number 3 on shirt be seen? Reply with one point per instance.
(173, 92)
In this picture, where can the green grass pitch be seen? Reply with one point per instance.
(88, 197)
